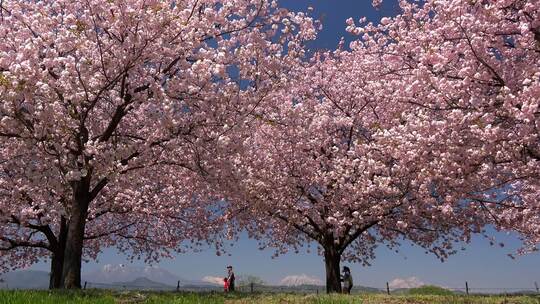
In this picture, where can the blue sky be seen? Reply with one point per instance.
(334, 13)
(481, 265)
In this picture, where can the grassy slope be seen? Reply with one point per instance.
(106, 297)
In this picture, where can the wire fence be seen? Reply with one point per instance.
(466, 289)
(154, 286)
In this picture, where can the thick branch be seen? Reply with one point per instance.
(95, 236)
(19, 243)
(119, 113)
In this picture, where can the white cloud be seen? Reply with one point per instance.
(411, 282)
(213, 280)
(302, 279)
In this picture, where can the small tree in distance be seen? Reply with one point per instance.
(247, 280)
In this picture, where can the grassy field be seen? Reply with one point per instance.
(110, 297)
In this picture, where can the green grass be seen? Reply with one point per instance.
(45, 297)
(133, 297)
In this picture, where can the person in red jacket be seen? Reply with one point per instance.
(225, 285)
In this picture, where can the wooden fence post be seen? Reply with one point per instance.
(466, 287)
(387, 288)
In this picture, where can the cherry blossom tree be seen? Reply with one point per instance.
(471, 70)
(316, 168)
(110, 108)
(426, 131)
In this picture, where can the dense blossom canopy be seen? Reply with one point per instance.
(109, 110)
(124, 123)
(471, 71)
(426, 129)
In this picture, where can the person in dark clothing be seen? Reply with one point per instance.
(230, 278)
(346, 278)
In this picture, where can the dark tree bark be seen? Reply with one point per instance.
(55, 278)
(71, 273)
(332, 259)
(57, 257)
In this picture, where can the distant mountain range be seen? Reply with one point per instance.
(127, 277)
(140, 278)
(141, 284)
(109, 276)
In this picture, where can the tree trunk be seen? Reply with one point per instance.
(71, 275)
(331, 260)
(55, 278)
(57, 260)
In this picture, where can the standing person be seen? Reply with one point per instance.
(347, 280)
(230, 278)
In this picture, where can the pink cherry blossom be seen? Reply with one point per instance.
(426, 130)
(109, 114)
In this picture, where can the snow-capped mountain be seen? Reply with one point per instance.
(297, 280)
(109, 273)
